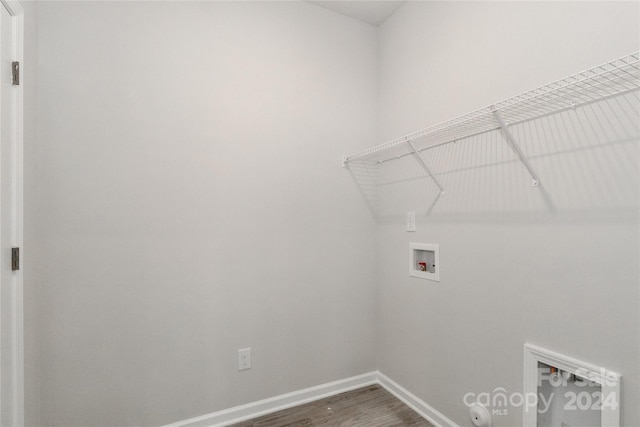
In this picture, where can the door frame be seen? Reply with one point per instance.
(16, 11)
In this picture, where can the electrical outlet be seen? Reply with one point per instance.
(411, 221)
(244, 359)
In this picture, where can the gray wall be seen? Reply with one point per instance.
(192, 203)
(189, 202)
(511, 272)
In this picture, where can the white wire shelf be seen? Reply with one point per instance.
(610, 79)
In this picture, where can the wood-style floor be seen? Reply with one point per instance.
(371, 406)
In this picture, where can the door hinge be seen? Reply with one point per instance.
(15, 72)
(15, 259)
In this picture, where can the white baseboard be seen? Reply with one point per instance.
(436, 418)
(277, 403)
(288, 400)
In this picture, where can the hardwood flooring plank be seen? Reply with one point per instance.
(371, 406)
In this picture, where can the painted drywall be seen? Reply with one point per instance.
(567, 281)
(191, 203)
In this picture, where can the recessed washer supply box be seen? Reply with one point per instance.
(424, 261)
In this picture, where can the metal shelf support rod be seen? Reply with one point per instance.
(508, 136)
(424, 166)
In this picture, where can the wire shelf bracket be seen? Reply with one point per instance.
(508, 136)
(422, 163)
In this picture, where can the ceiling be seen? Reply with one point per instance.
(371, 12)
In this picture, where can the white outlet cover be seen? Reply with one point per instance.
(411, 221)
(244, 359)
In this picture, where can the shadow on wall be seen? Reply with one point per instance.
(587, 160)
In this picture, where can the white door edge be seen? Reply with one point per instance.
(16, 10)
